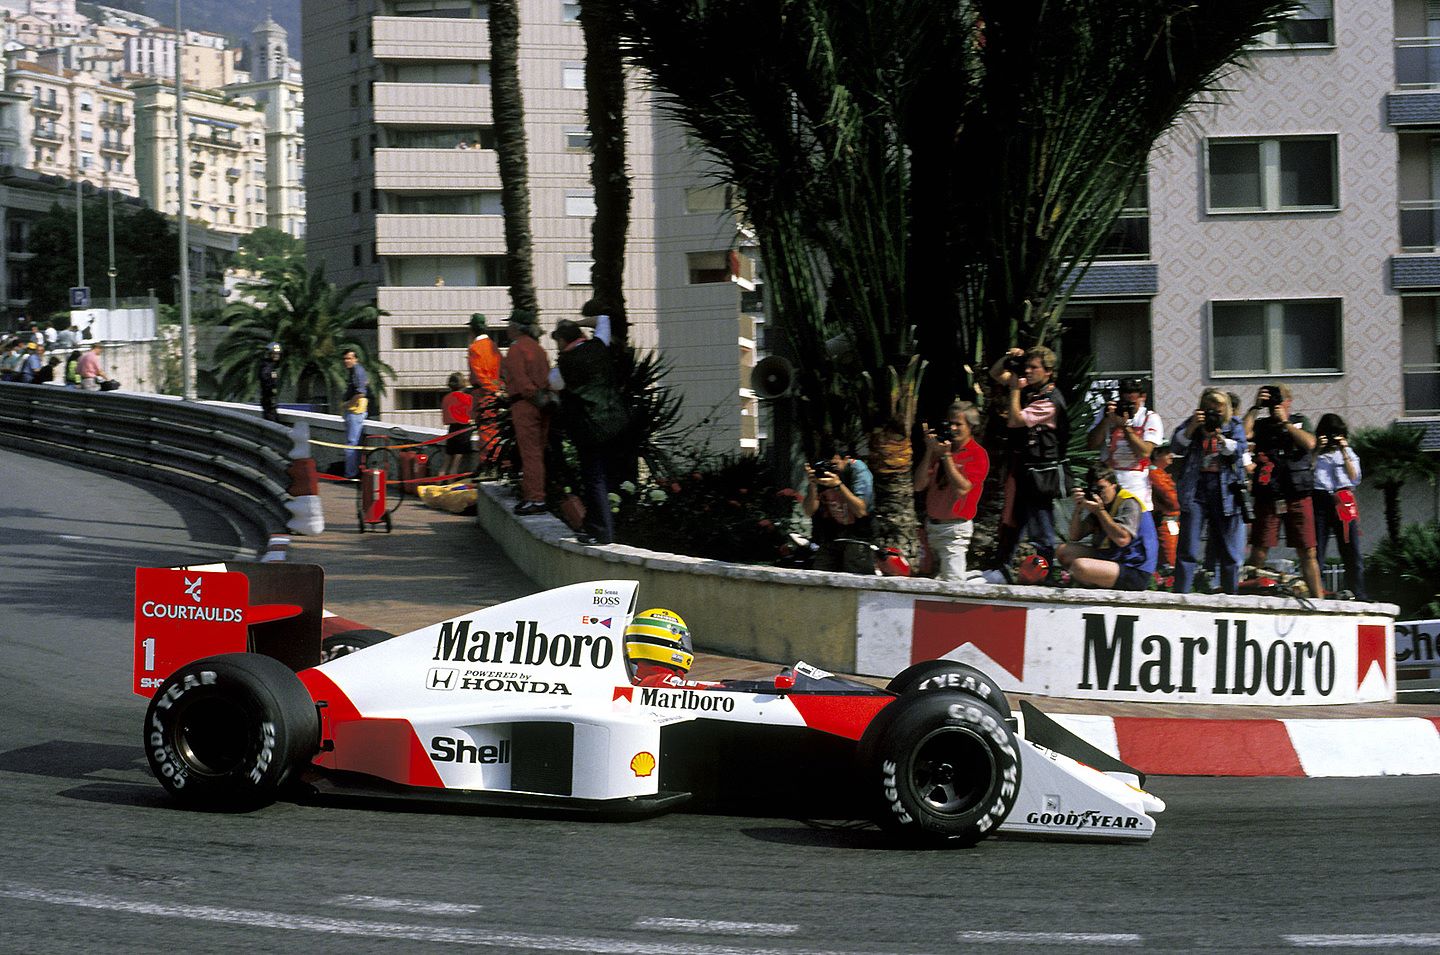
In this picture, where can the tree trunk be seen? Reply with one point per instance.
(892, 464)
(605, 111)
(510, 148)
(1392, 511)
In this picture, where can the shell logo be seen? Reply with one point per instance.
(643, 764)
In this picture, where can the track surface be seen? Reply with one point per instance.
(96, 860)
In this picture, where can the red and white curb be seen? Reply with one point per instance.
(1399, 746)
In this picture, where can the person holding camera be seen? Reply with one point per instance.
(951, 475)
(1210, 490)
(838, 497)
(1039, 434)
(1284, 478)
(1337, 474)
(1125, 433)
(1123, 549)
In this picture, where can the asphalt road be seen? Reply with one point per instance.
(97, 860)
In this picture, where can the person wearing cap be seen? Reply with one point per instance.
(34, 360)
(269, 375)
(526, 372)
(483, 358)
(1125, 433)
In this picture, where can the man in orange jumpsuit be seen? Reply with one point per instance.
(484, 359)
(1167, 504)
(526, 370)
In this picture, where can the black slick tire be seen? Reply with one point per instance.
(343, 644)
(227, 732)
(931, 675)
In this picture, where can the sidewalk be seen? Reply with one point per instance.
(436, 565)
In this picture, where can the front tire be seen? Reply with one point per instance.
(943, 770)
(949, 675)
(229, 731)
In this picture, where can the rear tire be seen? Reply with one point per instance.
(229, 731)
(343, 644)
(950, 675)
(943, 770)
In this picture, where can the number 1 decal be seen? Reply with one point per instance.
(149, 644)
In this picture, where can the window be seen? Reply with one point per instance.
(355, 148)
(1116, 336)
(453, 9)
(577, 139)
(355, 256)
(449, 204)
(87, 132)
(706, 267)
(572, 76)
(441, 138)
(1294, 174)
(432, 338)
(1313, 24)
(1275, 337)
(354, 202)
(354, 95)
(419, 399)
(467, 73)
(87, 102)
(580, 204)
(354, 42)
(712, 199)
(577, 271)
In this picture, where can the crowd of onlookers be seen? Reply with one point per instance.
(50, 357)
(1156, 510)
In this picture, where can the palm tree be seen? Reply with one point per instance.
(510, 149)
(605, 111)
(1391, 457)
(314, 322)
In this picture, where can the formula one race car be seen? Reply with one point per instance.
(531, 705)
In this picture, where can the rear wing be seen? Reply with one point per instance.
(185, 613)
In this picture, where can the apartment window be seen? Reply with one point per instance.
(577, 271)
(569, 11)
(572, 76)
(355, 256)
(87, 102)
(86, 161)
(472, 74)
(707, 267)
(1115, 335)
(354, 95)
(355, 148)
(577, 139)
(354, 42)
(580, 204)
(712, 199)
(1291, 174)
(1313, 24)
(419, 399)
(484, 136)
(485, 203)
(1296, 336)
(354, 202)
(406, 338)
(454, 9)
(87, 132)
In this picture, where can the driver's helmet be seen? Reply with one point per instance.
(1034, 569)
(659, 636)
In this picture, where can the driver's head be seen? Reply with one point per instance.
(659, 637)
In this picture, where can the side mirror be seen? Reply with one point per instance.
(785, 681)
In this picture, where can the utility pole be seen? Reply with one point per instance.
(79, 230)
(110, 227)
(182, 170)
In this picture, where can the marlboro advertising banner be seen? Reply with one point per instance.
(1140, 653)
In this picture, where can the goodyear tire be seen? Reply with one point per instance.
(228, 731)
(943, 770)
(344, 644)
(949, 675)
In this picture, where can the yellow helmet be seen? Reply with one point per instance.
(660, 636)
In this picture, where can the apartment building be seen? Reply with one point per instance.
(77, 125)
(276, 87)
(398, 114)
(226, 166)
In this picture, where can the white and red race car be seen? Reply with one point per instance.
(530, 704)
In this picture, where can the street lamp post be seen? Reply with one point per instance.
(110, 226)
(181, 167)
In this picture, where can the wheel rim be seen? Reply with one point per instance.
(337, 649)
(951, 770)
(212, 735)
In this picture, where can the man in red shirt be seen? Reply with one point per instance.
(526, 371)
(455, 408)
(952, 474)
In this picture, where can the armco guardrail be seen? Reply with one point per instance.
(234, 459)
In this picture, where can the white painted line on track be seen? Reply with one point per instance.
(455, 935)
(1364, 941)
(712, 927)
(376, 903)
(1052, 938)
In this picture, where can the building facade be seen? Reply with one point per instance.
(398, 112)
(76, 126)
(277, 88)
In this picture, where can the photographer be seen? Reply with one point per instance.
(838, 499)
(951, 475)
(1284, 478)
(1038, 433)
(1126, 433)
(1123, 548)
(1337, 474)
(1210, 489)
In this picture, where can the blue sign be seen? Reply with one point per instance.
(80, 297)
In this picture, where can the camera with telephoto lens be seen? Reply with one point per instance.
(1212, 419)
(1273, 397)
(1124, 407)
(822, 468)
(1092, 489)
(1015, 364)
(943, 432)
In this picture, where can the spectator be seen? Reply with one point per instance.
(88, 333)
(1039, 432)
(526, 371)
(952, 474)
(838, 499)
(90, 369)
(13, 358)
(1284, 479)
(72, 369)
(51, 335)
(67, 338)
(1122, 550)
(456, 409)
(1212, 476)
(37, 337)
(1337, 474)
(46, 375)
(483, 358)
(357, 403)
(31, 364)
(1166, 507)
(269, 375)
(1125, 433)
(594, 413)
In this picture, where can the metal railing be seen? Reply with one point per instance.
(1417, 62)
(235, 460)
(1419, 225)
(1422, 389)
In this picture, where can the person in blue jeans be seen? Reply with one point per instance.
(1212, 472)
(357, 403)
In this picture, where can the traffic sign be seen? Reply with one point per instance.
(80, 297)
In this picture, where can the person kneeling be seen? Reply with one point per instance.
(1123, 548)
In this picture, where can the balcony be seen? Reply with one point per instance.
(114, 117)
(47, 134)
(1419, 225)
(439, 235)
(430, 38)
(1422, 390)
(432, 104)
(429, 169)
(114, 148)
(441, 304)
(216, 142)
(51, 106)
